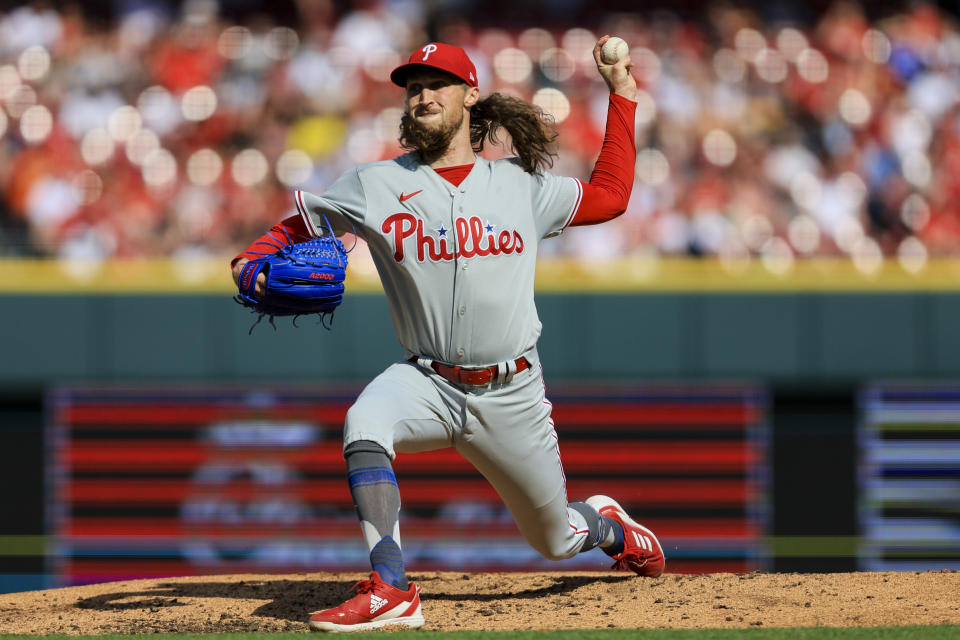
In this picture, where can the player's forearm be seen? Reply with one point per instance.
(606, 195)
(292, 227)
(614, 168)
(624, 85)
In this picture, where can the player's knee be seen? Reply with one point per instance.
(557, 554)
(556, 550)
(356, 417)
(361, 434)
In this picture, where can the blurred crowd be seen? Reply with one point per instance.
(180, 132)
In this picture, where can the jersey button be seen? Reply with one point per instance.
(463, 310)
(464, 266)
(460, 352)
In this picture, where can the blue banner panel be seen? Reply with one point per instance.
(910, 477)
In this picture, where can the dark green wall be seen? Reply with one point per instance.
(779, 338)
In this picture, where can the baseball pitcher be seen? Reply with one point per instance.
(455, 239)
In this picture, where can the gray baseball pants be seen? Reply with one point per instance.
(504, 430)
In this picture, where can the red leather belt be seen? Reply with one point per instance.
(475, 377)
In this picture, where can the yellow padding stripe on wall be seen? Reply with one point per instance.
(622, 275)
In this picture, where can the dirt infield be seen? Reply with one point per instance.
(497, 601)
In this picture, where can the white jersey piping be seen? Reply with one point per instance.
(576, 204)
(302, 208)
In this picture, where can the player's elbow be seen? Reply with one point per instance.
(615, 207)
(601, 203)
(619, 211)
(598, 216)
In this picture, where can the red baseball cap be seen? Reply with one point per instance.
(437, 55)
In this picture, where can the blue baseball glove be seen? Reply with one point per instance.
(302, 278)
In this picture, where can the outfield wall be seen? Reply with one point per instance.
(779, 337)
(820, 323)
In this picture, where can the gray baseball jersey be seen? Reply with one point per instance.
(457, 263)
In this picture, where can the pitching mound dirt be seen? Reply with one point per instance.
(498, 601)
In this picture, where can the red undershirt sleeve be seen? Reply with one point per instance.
(293, 227)
(606, 195)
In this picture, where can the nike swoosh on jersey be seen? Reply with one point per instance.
(407, 196)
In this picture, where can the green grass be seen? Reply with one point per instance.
(944, 632)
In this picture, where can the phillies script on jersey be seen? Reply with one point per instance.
(473, 238)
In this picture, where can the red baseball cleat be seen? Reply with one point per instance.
(377, 605)
(641, 553)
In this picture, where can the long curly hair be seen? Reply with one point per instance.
(531, 129)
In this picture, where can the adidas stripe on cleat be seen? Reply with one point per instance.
(641, 553)
(376, 605)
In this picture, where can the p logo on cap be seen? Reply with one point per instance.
(437, 55)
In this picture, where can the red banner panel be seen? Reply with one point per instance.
(154, 482)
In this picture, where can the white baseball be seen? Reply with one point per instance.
(614, 49)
